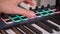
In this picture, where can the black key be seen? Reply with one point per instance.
(33, 29)
(16, 30)
(25, 30)
(3, 32)
(55, 21)
(51, 25)
(45, 27)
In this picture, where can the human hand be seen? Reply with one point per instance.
(11, 7)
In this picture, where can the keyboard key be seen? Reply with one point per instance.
(10, 31)
(33, 29)
(29, 29)
(21, 30)
(40, 29)
(25, 30)
(51, 25)
(3, 32)
(16, 31)
(44, 27)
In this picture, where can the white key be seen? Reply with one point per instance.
(0, 33)
(29, 29)
(21, 30)
(9, 31)
(53, 23)
(39, 28)
(55, 32)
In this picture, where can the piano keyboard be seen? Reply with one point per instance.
(8, 20)
(42, 27)
(50, 25)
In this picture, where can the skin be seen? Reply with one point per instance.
(10, 7)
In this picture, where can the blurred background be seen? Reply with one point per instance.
(39, 3)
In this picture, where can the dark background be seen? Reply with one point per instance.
(58, 4)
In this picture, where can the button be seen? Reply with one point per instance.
(30, 8)
(44, 13)
(24, 17)
(8, 20)
(50, 12)
(38, 14)
(17, 19)
(48, 6)
(42, 7)
(36, 8)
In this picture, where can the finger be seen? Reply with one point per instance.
(29, 14)
(25, 2)
(29, 2)
(17, 10)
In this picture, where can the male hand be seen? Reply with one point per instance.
(11, 7)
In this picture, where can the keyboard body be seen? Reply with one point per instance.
(46, 22)
(7, 21)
